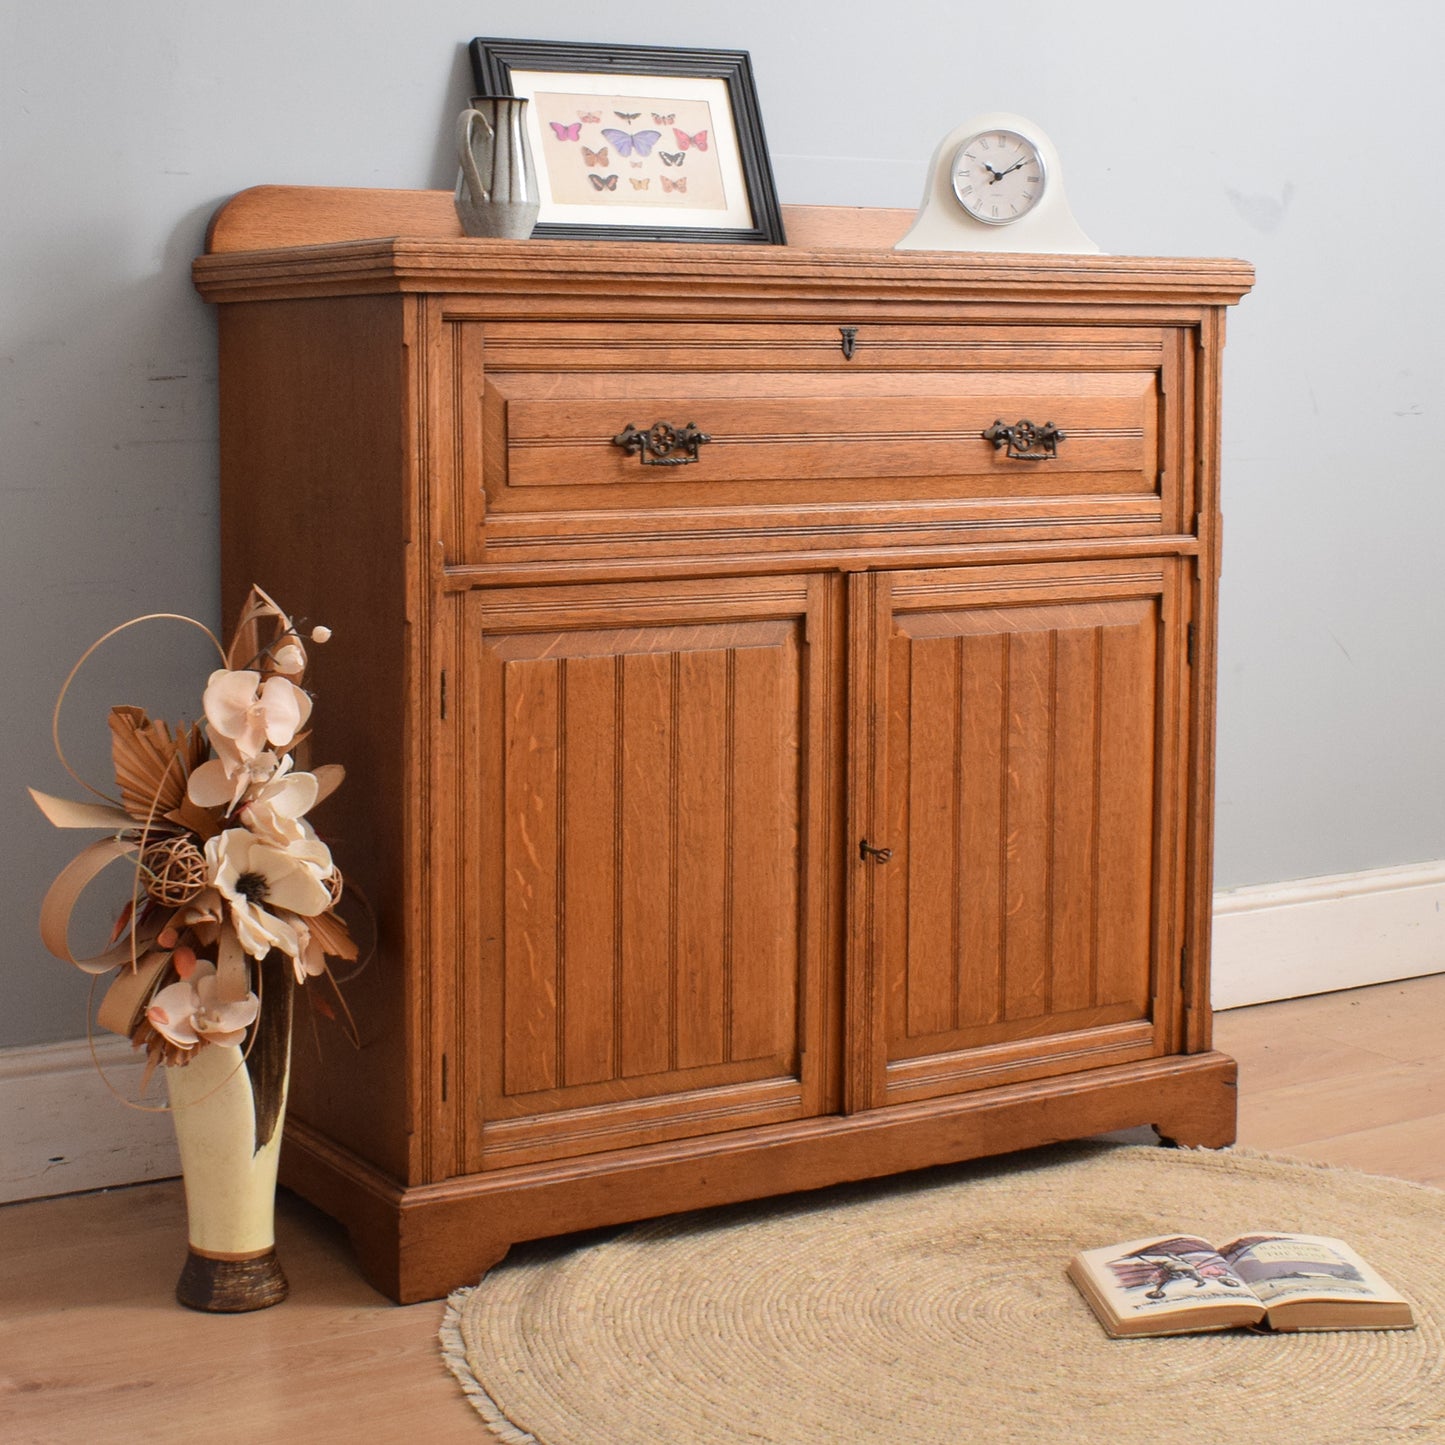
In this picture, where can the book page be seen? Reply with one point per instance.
(1286, 1266)
(1165, 1276)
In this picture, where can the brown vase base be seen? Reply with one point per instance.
(231, 1286)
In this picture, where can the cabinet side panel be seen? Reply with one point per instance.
(313, 509)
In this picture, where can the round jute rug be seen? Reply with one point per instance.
(935, 1308)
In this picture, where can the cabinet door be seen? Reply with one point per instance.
(646, 800)
(1021, 747)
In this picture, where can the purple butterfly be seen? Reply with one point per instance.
(643, 141)
(567, 132)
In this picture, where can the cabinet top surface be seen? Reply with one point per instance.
(276, 241)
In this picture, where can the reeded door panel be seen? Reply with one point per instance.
(646, 810)
(1024, 725)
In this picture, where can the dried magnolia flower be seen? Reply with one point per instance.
(190, 1011)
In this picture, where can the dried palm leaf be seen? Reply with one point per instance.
(330, 931)
(152, 763)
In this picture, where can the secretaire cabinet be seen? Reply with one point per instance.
(776, 693)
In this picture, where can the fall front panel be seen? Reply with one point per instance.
(644, 783)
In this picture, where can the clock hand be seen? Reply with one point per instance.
(1011, 169)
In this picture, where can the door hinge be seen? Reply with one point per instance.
(1191, 643)
(444, 1078)
(444, 695)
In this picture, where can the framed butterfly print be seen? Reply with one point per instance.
(640, 143)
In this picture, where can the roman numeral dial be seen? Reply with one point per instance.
(998, 176)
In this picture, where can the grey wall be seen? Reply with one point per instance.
(1302, 137)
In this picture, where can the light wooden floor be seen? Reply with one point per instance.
(93, 1348)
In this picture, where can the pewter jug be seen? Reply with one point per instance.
(497, 192)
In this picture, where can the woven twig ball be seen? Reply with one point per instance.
(174, 870)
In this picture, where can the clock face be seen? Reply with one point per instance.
(998, 176)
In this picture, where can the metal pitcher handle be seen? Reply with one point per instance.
(468, 161)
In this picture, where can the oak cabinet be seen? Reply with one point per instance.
(776, 691)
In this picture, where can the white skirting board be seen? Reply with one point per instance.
(1288, 940)
(62, 1131)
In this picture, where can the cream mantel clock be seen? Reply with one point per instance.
(996, 184)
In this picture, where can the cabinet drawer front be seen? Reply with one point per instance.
(911, 433)
(802, 449)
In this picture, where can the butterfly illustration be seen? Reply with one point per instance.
(672, 158)
(640, 185)
(664, 119)
(636, 165)
(566, 132)
(680, 184)
(595, 158)
(590, 116)
(698, 141)
(643, 141)
(627, 114)
(603, 183)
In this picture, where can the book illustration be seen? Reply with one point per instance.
(1182, 1260)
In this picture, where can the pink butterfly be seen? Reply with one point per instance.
(680, 184)
(698, 141)
(590, 116)
(567, 132)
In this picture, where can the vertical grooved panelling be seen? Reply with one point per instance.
(932, 835)
(1126, 783)
(700, 853)
(559, 751)
(1004, 823)
(673, 813)
(589, 828)
(960, 860)
(1050, 825)
(1028, 830)
(764, 860)
(896, 829)
(983, 679)
(530, 848)
(1096, 779)
(1074, 815)
(1023, 740)
(619, 715)
(646, 889)
(729, 874)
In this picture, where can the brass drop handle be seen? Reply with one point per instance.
(661, 444)
(1025, 441)
(866, 851)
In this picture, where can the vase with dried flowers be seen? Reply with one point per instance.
(232, 904)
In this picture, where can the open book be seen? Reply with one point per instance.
(1180, 1284)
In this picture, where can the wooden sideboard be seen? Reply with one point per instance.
(769, 763)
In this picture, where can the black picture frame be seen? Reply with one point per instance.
(502, 67)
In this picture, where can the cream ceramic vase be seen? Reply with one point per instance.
(231, 1263)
